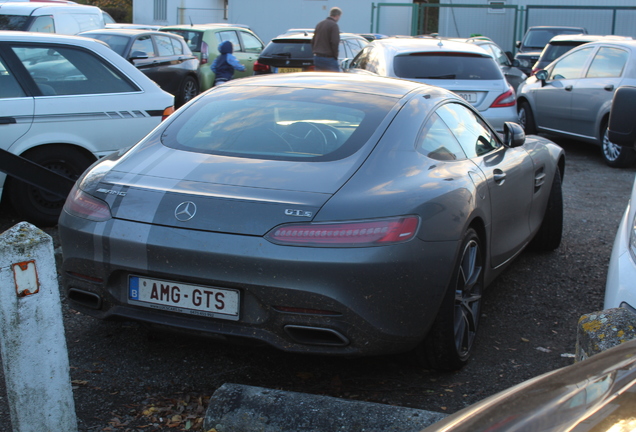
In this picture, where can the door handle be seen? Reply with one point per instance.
(568, 88)
(609, 87)
(7, 120)
(499, 176)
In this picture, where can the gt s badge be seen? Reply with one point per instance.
(299, 213)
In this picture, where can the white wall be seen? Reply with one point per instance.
(180, 12)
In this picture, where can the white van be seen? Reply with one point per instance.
(47, 17)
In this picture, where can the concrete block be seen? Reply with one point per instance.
(601, 330)
(241, 408)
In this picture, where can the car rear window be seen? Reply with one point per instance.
(446, 66)
(192, 37)
(292, 48)
(13, 22)
(116, 42)
(278, 123)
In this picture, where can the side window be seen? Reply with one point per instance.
(71, 71)
(164, 46)
(232, 37)
(571, 66)
(474, 136)
(500, 56)
(144, 44)
(608, 63)
(361, 60)
(177, 46)
(251, 44)
(438, 142)
(9, 87)
(343, 50)
(43, 24)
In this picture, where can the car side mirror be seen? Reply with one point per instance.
(622, 127)
(518, 44)
(345, 64)
(513, 135)
(138, 55)
(510, 56)
(542, 75)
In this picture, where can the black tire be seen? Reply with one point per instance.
(548, 238)
(451, 339)
(188, 90)
(35, 205)
(614, 155)
(526, 118)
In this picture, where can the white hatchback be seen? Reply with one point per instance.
(65, 101)
(463, 68)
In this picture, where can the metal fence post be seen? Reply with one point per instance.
(32, 342)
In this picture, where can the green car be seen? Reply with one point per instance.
(204, 39)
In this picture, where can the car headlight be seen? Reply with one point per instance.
(524, 62)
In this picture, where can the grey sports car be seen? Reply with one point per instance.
(320, 213)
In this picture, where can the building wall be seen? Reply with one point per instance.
(178, 11)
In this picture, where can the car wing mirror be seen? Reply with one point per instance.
(542, 75)
(622, 124)
(138, 55)
(513, 135)
(511, 57)
(345, 64)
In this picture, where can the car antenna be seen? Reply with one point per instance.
(191, 23)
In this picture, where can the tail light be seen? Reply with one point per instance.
(260, 67)
(80, 204)
(167, 112)
(375, 232)
(205, 53)
(505, 100)
(311, 68)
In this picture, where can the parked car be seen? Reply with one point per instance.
(593, 395)
(536, 38)
(164, 57)
(292, 52)
(504, 59)
(50, 17)
(561, 44)
(133, 26)
(320, 213)
(204, 39)
(620, 290)
(464, 68)
(65, 101)
(573, 95)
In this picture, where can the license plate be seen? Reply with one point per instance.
(289, 70)
(470, 97)
(184, 298)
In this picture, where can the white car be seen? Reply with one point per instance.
(66, 101)
(463, 68)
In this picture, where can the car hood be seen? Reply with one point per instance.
(231, 194)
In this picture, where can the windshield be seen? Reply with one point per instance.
(539, 38)
(116, 42)
(278, 123)
(13, 22)
(554, 51)
(457, 66)
(289, 48)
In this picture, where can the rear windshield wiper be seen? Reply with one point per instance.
(437, 77)
(285, 54)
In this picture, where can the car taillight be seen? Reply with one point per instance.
(347, 234)
(204, 53)
(311, 68)
(80, 204)
(167, 112)
(260, 67)
(505, 100)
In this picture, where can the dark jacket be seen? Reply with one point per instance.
(326, 38)
(224, 65)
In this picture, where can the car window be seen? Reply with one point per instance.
(116, 42)
(143, 44)
(43, 24)
(9, 87)
(71, 71)
(291, 48)
(608, 63)
(460, 66)
(367, 59)
(343, 50)
(177, 46)
(438, 142)
(474, 136)
(13, 22)
(193, 38)
(555, 50)
(231, 36)
(571, 66)
(164, 46)
(500, 56)
(251, 43)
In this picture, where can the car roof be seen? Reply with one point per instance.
(370, 84)
(26, 8)
(22, 36)
(309, 34)
(555, 27)
(209, 26)
(126, 31)
(408, 45)
(586, 38)
(628, 43)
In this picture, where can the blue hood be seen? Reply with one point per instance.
(225, 47)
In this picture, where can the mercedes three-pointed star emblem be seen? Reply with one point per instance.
(185, 211)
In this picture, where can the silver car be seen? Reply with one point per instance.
(320, 213)
(463, 68)
(572, 96)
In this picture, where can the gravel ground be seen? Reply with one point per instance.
(126, 378)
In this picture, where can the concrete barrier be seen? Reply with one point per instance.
(241, 408)
(602, 330)
(32, 342)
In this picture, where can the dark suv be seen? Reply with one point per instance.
(530, 47)
(292, 52)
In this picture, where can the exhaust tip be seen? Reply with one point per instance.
(85, 298)
(316, 336)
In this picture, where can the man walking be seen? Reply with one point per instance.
(325, 42)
